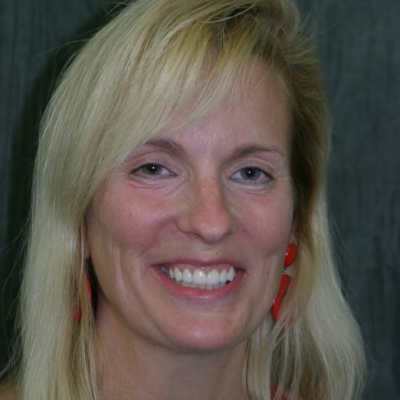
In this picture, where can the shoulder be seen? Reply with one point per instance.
(8, 395)
(274, 397)
(8, 390)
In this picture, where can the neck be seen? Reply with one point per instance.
(135, 368)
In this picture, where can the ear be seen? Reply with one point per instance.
(84, 239)
(86, 249)
(293, 231)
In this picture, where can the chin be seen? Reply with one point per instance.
(213, 339)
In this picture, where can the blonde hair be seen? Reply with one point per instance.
(128, 83)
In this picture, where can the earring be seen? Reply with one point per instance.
(290, 257)
(291, 254)
(78, 315)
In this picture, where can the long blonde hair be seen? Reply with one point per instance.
(129, 82)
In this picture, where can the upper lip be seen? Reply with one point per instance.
(218, 263)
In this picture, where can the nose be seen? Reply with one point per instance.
(207, 212)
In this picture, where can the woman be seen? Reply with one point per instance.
(179, 182)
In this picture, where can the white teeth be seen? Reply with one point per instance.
(212, 277)
(199, 279)
(223, 276)
(231, 274)
(187, 276)
(178, 274)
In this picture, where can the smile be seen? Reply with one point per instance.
(199, 278)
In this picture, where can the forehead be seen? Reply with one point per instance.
(255, 109)
(260, 96)
(259, 83)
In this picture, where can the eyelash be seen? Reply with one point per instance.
(264, 180)
(261, 177)
(140, 171)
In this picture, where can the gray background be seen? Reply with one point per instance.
(360, 53)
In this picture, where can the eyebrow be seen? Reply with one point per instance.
(239, 152)
(166, 144)
(247, 149)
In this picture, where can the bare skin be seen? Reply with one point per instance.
(7, 396)
(223, 198)
(7, 391)
(211, 198)
(175, 377)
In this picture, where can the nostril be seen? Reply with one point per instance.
(208, 214)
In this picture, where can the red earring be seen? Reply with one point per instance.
(290, 257)
(78, 316)
(291, 254)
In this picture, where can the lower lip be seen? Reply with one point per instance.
(197, 293)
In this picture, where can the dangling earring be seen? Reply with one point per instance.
(290, 257)
(78, 315)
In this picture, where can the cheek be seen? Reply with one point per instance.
(122, 234)
(268, 222)
(122, 221)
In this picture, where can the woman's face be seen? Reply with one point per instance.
(212, 205)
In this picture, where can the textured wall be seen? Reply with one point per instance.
(360, 52)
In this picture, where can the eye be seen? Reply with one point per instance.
(251, 175)
(152, 170)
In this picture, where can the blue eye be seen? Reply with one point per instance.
(251, 175)
(152, 170)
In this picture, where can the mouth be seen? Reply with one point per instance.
(199, 278)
